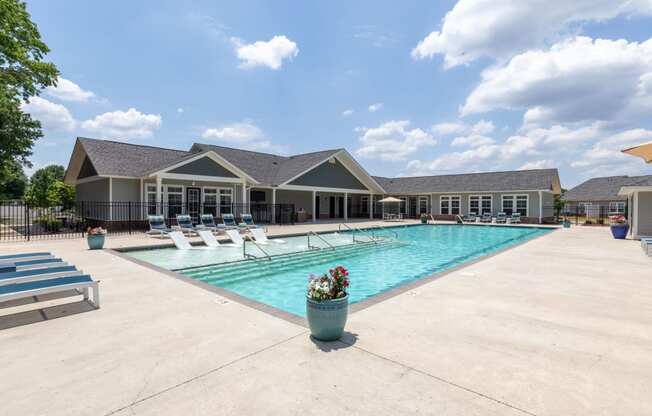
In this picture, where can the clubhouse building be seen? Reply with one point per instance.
(134, 181)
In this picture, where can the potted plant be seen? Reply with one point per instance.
(424, 219)
(566, 223)
(327, 304)
(619, 226)
(95, 237)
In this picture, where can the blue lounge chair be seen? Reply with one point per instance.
(207, 222)
(83, 284)
(12, 257)
(248, 222)
(501, 218)
(28, 264)
(185, 224)
(486, 217)
(516, 218)
(157, 225)
(229, 221)
(469, 218)
(38, 274)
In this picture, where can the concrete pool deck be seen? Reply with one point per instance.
(559, 325)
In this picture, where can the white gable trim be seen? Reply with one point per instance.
(347, 161)
(215, 157)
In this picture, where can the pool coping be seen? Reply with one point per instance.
(353, 308)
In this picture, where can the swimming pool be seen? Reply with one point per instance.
(405, 254)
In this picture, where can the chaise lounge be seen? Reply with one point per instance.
(157, 226)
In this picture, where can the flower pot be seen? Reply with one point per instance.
(424, 220)
(95, 241)
(619, 231)
(567, 224)
(327, 319)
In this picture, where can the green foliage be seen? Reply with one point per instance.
(12, 181)
(23, 74)
(49, 224)
(46, 188)
(559, 201)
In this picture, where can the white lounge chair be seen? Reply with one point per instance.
(84, 284)
(248, 222)
(235, 237)
(210, 240)
(157, 226)
(261, 238)
(185, 224)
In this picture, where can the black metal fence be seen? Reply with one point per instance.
(21, 221)
(591, 214)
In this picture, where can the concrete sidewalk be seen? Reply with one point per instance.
(559, 325)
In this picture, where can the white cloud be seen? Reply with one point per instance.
(347, 113)
(243, 135)
(377, 38)
(180, 110)
(52, 116)
(375, 107)
(234, 133)
(538, 164)
(270, 54)
(67, 90)
(482, 127)
(392, 141)
(499, 29)
(123, 124)
(472, 141)
(573, 81)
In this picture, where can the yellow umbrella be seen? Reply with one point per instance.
(643, 151)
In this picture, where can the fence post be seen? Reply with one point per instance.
(27, 226)
(83, 219)
(129, 217)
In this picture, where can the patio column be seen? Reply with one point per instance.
(110, 199)
(273, 205)
(346, 206)
(540, 206)
(371, 206)
(314, 206)
(159, 196)
(244, 197)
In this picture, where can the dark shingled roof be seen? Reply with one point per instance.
(605, 189)
(267, 168)
(124, 159)
(523, 180)
(112, 158)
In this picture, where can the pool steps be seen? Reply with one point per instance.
(259, 268)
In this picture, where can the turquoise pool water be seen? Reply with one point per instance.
(412, 253)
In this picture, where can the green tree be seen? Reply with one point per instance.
(13, 181)
(23, 74)
(46, 188)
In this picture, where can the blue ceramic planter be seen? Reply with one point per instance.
(328, 318)
(96, 241)
(619, 231)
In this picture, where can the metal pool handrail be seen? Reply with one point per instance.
(247, 255)
(354, 229)
(378, 227)
(309, 233)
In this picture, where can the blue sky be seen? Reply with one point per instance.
(409, 89)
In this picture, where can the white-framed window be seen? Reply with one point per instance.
(174, 200)
(209, 200)
(364, 205)
(423, 205)
(150, 198)
(515, 203)
(226, 200)
(449, 204)
(480, 204)
(403, 205)
(617, 207)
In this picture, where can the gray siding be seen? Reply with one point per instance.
(205, 167)
(644, 222)
(93, 191)
(126, 190)
(330, 175)
(300, 199)
(496, 202)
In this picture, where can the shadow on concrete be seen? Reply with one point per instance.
(43, 314)
(348, 340)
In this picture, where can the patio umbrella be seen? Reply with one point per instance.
(389, 200)
(643, 151)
